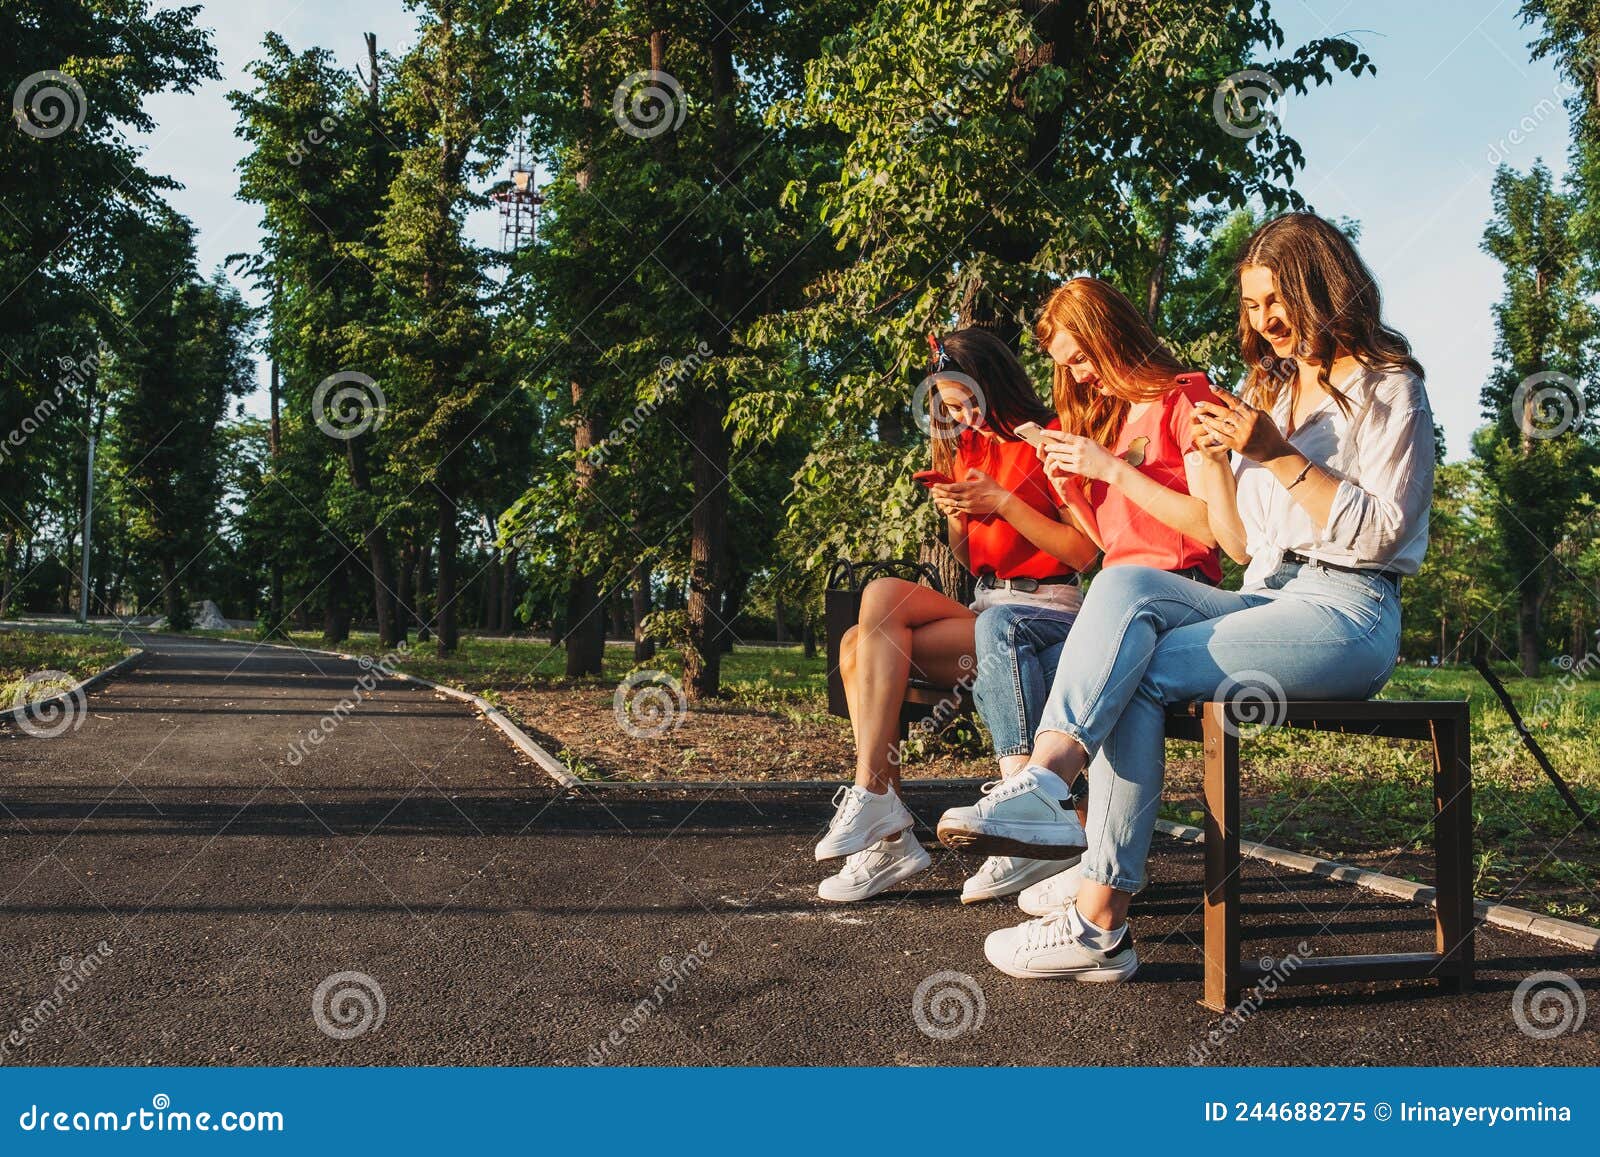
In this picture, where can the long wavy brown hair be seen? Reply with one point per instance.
(1333, 303)
(1130, 359)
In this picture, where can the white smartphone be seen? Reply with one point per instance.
(1032, 433)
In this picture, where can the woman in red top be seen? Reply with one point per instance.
(1007, 527)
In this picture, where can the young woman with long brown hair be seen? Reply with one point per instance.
(1006, 526)
(1126, 407)
(1328, 508)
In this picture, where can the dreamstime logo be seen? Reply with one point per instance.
(1273, 974)
(1547, 404)
(1548, 1004)
(348, 404)
(75, 972)
(933, 415)
(1258, 700)
(672, 974)
(48, 704)
(648, 704)
(373, 671)
(348, 1004)
(948, 1004)
(48, 104)
(675, 374)
(649, 103)
(1245, 101)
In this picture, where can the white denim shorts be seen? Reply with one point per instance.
(1050, 596)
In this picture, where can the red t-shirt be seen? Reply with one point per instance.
(1154, 443)
(993, 544)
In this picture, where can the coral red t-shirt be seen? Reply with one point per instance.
(993, 544)
(1154, 443)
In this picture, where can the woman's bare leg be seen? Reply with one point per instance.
(904, 627)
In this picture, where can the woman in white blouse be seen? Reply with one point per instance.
(1328, 507)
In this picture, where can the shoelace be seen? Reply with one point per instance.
(999, 789)
(1051, 931)
(846, 802)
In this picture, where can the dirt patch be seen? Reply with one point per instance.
(715, 742)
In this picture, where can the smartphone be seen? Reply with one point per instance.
(1032, 433)
(933, 478)
(1200, 380)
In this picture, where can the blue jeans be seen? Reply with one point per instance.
(1018, 646)
(1146, 639)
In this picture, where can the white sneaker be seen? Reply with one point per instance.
(861, 818)
(869, 872)
(1052, 894)
(1005, 875)
(1027, 814)
(1053, 948)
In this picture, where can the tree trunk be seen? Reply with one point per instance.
(444, 615)
(808, 639)
(644, 647)
(8, 582)
(732, 608)
(708, 407)
(508, 591)
(1158, 272)
(336, 615)
(491, 597)
(377, 542)
(1528, 630)
(586, 622)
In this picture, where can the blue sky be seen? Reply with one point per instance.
(1410, 153)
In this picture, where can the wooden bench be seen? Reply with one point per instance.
(1216, 725)
(1444, 724)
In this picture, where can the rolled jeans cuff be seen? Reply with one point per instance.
(1129, 884)
(1008, 752)
(1070, 730)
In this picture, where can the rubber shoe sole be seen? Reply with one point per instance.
(1018, 883)
(1123, 965)
(1007, 839)
(902, 872)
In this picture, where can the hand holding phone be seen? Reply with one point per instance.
(1034, 434)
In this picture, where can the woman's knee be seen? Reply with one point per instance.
(1124, 585)
(883, 600)
(847, 648)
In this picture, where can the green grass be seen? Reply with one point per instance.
(78, 655)
(753, 674)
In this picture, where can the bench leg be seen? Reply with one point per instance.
(1454, 920)
(1223, 976)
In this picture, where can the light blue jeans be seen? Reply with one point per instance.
(1145, 639)
(1018, 647)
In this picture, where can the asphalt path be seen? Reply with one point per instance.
(216, 870)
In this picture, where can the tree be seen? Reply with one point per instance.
(1536, 454)
(186, 358)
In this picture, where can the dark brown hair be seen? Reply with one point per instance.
(1333, 304)
(1008, 396)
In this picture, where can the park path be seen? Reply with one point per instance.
(508, 923)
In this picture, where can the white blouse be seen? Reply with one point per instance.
(1383, 455)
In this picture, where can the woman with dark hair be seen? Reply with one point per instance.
(1005, 525)
(1327, 508)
